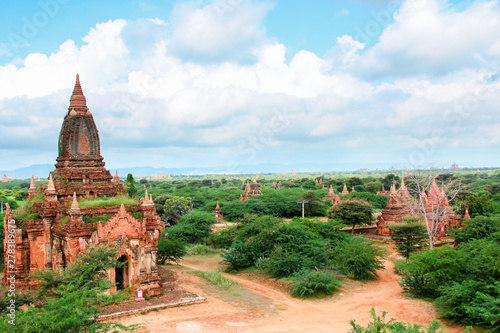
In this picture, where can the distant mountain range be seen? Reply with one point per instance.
(43, 170)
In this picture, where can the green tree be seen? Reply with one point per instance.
(480, 205)
(309, 184)
(373, 187)
(170, 249)
(352, 212)
(409, 237)
(313, 206)
(175, 208)
(131, 190)
(192, 228)
(478, 228)
(72, 298)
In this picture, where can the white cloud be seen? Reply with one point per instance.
(217, 31)
(429, 37)
(185, 87)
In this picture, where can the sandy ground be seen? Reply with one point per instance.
(260, 305)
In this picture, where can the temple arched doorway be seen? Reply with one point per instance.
(121, 274)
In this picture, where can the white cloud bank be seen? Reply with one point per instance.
(211, 87)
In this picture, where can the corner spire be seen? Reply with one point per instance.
(78, 102)
(50, 187)
(74, 204)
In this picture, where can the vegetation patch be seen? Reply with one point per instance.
(97, 218)
(314, 283)
(216, 278)
(107, 201)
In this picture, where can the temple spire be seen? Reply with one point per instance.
(50, 187)
(74, 204)
(78, 102)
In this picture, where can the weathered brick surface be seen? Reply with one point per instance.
(60, 234)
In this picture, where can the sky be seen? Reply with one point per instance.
(229, 83)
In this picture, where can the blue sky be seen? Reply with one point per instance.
(235, 82)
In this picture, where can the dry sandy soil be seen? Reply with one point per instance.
(261, 305)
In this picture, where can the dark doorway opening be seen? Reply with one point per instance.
(121, 274)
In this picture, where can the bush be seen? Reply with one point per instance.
(192, 228)
(222, 238)
(312, 283)
(239, 255)
(170, 249)
(478, 228)
(358, 259)
(428, 271)
(379, 325)
(199, 249)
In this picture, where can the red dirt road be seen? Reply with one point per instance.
(260, 306)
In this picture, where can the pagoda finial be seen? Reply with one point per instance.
(32, 184)
(146, 196)
(78, 102)
(51, 187)
(217, 207)
(116, 180)
(74, 204)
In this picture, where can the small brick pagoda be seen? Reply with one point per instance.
(250, 190)
(331, 195)
(58, 229)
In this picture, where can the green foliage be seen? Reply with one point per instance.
(478, 228)
(170, 250)
(97, 218)
(480, 205)
(359, 259)
(200, 249)
(428, 271)
(222, 238)
(175, 208)
(239, 255)
(106, 201)
(217, 279)
(377, 201)
(352, 212)
(192, 228)
(72, 297)
(464, 280)
(310, 283)
(131, 190)
(380, 325)
(313, 206)
(408, 237)
(373, 187)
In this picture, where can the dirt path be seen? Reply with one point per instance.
(260, 307)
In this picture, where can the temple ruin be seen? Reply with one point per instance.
(58, 228)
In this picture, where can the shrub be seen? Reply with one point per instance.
(239, 255)
(379, 324)
(192, 228)
(358, 259)
(312, 283)
(199, 249)
(222, 238)
(428, 271)
(478, 228)
(170, 249)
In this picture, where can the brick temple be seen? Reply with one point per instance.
(251, 190)
(400, 204)
(62, 230)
